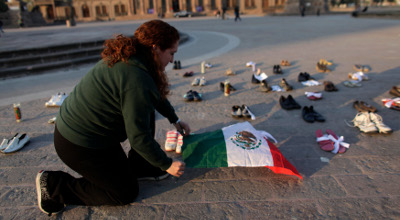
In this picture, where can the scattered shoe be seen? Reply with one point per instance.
(378, 121)
(250, 64)
(285, 63)
(188, 74)
(52, 120)
(392, 103)
(288, 103)
(363, 106)
(236, 111)
(277, 69)
(352, 83)
(178, 64)
(197, 96)
(175, 67)
(325, 62)
(285, 85)
(222, 87)
(188, 97)
(358, 76)
(171, 140)
(264, 87)
(361, 68)
(322, 68)
(330, 142)
(324, 143)
(314, 95)
(56, 100)
(276, 88)
(303, 77)
(207, 65)
(247, 113)
(6, 142)
(309, 115)
(329, 86)
(202, 81)
(17, 143)
(395, 91)
(45, 203)
(178, 149)
(260, 76)
(229, 72)
(196, 81)
(364, 123)
(254, 80)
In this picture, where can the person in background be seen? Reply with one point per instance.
(116, 100)
(237, 14)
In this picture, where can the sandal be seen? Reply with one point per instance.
(325, 145)
(342, 147)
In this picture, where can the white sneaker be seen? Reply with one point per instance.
(52, 100)
(250, 64)
(196, 81)
(6, 142)
(202, 82)
(377, 120)
(363, 122)
(178, 149)
(171, 140)
(17, 143)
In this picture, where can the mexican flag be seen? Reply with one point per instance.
(236, 145)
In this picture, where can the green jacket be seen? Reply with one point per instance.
(109, 105)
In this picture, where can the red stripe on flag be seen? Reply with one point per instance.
(281, 165)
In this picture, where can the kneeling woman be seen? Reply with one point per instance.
(115, 100)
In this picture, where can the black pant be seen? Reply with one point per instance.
(109, 177)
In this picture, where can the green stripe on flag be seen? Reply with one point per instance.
(205, 150)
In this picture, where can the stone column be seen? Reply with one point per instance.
(168, 5)
(207, 5)
(194, 3)
(242, 8)
(142, 7)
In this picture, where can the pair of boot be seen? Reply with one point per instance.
(177, 65)
(277, 69)
(288, 103)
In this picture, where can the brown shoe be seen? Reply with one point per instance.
(395, 91)
(329, 86)
(363, 107)
(322, 68)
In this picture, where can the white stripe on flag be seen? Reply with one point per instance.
(237, 156)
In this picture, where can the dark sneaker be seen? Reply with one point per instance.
(222, 87)
(178, 64)
(45, 203)
(288, 103)
(264, 87)
(285, 85)
(301, 77)
(175, 65)
(196, 96)
(189, 96)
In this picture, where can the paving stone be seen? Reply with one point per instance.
(220, 210)
(21, 195)
(135, 211)
(378, 164)
(169, 191)
(371, 185)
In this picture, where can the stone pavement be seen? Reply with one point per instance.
(363, 183)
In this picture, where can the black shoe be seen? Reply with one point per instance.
(285, 85)
(317, 116)
(301, 77)
(277, 69)
(189, 96)
(46, 204)
(179, 65)
(236, 111)
(196, 96)
(254, 80)
(307, 115)
(264, 87)
(295, 105)
(329, 86)
(175, 65)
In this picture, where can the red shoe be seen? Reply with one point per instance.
(325, 145)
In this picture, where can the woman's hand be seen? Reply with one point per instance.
(177, 168)
(182, 127)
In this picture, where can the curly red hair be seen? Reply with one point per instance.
(154, 32)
